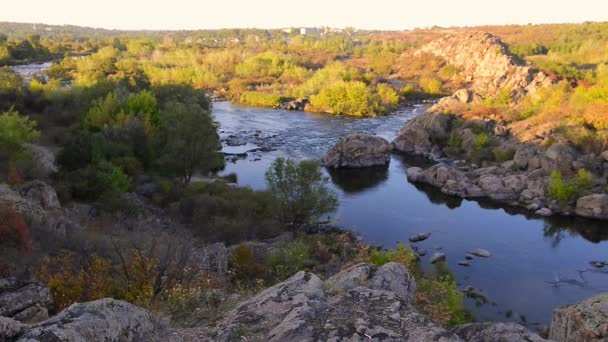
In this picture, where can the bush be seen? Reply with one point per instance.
(481, 141)
(563, 191)
(503, 154)
(431, 85)
(258, 99)
(347, 98)
(597, 115)
(288, 260)
(14, 231)
(299, 191)
(558, 189)
(388, 95)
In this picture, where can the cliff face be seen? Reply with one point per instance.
(486, 64)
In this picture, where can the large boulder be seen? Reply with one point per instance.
(418, 136)
(496, 332)
(358, 150)
(559, 157)
(593, 206)
(360, 303)
(101, 320)
(24, 301)
(585, 321)
(41, 193)
(10, 329)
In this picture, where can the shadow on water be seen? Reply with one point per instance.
(358, 180)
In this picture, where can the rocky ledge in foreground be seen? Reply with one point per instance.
(361, 303)
(358, 150)
(358, 304)
(101, 320)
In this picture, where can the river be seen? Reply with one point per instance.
(528, 253)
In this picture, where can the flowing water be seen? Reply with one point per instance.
(529, 254)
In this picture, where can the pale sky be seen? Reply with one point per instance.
(365, 14)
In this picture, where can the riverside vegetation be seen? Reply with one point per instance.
(134, 210)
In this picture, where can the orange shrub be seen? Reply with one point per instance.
(14, 231)
(597, 115)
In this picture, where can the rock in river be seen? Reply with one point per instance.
(419, 237)
(437, 257)
(481, 253)
(358, 150)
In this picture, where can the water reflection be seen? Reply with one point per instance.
(557, 228)
(437, 197)
(358, 180)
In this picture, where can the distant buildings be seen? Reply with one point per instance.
(306, 31)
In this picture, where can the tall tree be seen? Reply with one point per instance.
(189, 141)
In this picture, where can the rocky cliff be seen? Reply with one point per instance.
(487, 65)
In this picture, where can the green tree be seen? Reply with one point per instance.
(15, 132)
(189, 141)
(300, 191)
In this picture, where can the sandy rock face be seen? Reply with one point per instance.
(585, 321)
(358, 150)
(487, 65)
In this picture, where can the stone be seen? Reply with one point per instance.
(10, 329)
(604, 155)
(359, 303)
(417, 135)
(464, 263)
(496, 332)
(412, 173)
(24, 301)
(41, 193)
(44, 159)
(419, 237)
(358, 150)
(481, 253)
(544, 212)
(438, 257)
(469, 256)
(559, 157)
(585, 321)
(593, 206)
(101, 320)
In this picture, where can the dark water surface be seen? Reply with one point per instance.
(384, 208)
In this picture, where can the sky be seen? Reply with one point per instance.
(363, 14)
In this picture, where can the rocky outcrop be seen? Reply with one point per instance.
(487, 65)
(420, 135)
(585, 321)
(101, 320)
(358, 150)
(24, 301)
(360, 303)
(496, 332)
(41, 193)
(10, 329)
(593, 206)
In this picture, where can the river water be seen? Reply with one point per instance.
(528, 253)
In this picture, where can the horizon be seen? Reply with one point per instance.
(138, 15)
